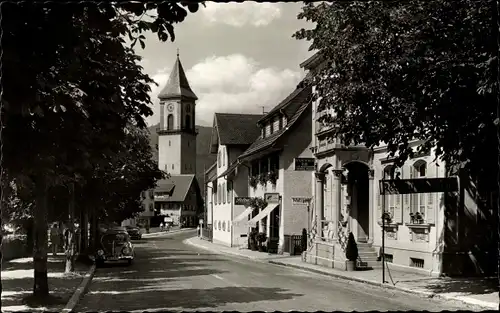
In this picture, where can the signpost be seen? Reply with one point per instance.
(305, 164)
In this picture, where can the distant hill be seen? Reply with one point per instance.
(203, 158)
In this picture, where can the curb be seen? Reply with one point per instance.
(422, 293)
(82, 288)
(241, 255)
(189, 242)
(159, 234)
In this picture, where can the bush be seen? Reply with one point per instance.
(252, 239)
(261, 238)
(303, 240)
(351, 251)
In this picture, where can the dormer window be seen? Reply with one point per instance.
(271, 129)
(280, 122)
(262, 133)
(268, 129)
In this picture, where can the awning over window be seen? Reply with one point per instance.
(243, 215)
(262, 214)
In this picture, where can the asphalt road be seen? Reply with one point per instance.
(169, 275)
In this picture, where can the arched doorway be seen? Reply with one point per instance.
(356, 181)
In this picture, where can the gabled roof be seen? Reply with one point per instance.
(312, 62)
(285, 105)
(234, 129)
(231, 168)
(299, 104)
(177, 85)
(180, 185)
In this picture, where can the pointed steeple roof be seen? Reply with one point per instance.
(177, 85)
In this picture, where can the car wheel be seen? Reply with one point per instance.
(129, 262)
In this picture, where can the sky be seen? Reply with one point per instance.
(238, 57)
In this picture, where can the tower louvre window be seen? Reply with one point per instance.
(170, 122)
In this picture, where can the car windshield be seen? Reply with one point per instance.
(115, 237)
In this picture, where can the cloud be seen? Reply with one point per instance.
(231, 84)
(241, 14)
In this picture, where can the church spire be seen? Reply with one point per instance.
(177, 85)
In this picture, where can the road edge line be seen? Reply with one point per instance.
(159, 234)
(421, 293)
(82, 288)
(189, 242)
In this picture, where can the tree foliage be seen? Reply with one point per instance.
(114, 188)
(398, 71)
(73, 91)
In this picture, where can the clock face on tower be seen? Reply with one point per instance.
(170, 107)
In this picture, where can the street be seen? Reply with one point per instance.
(169, 275)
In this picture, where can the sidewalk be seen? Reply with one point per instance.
(249, 254)
(17, 283)
(172, 230)
(473, 291)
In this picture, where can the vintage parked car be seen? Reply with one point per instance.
(134, 232)
(115, 246)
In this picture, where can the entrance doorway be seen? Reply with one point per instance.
(358, 190)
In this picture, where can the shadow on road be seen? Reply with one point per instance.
(147, 298)
(473, 286)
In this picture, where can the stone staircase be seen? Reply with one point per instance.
(367, 257)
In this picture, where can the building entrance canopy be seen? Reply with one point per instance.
(243, 215)
(262, 214)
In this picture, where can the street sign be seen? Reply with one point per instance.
(272, 197)
(301, 200)
(241, 200)
(418, 185)
(305, 164)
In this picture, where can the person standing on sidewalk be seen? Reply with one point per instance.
(55, 237)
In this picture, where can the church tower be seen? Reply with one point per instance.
(177, 132)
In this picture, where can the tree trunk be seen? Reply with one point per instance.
(70, 238)
(93, 230)
(40, 284)
(85, 231)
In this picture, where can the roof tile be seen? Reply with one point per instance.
(177, 84)
(181, 185)
(296, 106)
(237, 129)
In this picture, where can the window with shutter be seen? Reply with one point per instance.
(419, 200)
(224, 190)
(431, 202)
(388, 199)
(229, 191)
(397, 213)
(406, 197)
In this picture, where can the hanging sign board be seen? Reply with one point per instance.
(241, 200)
(305, 164)
(418, 185)
(272, 197)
